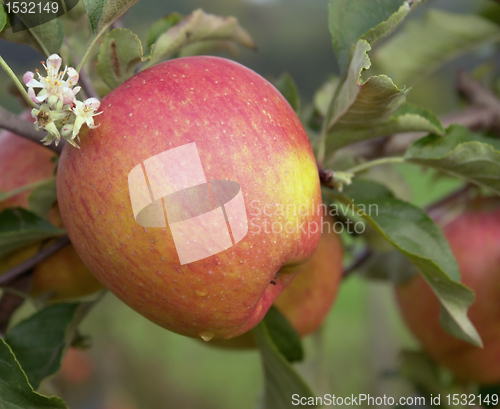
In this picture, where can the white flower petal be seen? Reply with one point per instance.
(34, 83)
(76, 90)
(27, 77)
(54, 63)
(68, 96)
(31, 94)
(72, 76)
(93, 103)
(42, 95)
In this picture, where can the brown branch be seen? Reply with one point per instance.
(480, 97)
(86, 84)
(23, 128)
(10, 302)
(361, 259)
(33, 261)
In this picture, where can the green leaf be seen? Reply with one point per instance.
(407, 118)
(48, 35)
(15, 390)
(39, 341)
(461, 153)
(161, 26)
(349, 20)
(286, 85)
(411, 231)
(284, 335)
(281, 381)
(19, 227)
(370, 20)
(208, 47)
(358, 108)
(198, 26)
(101, 14)
(30, 186)
(94, 12)
(350, 85)
(376, 100)
(426, 44)
(3, 17)
(42, 198)
(120, 53)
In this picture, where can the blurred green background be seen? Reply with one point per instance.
(133, 364)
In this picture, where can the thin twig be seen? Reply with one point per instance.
(23, 128)
(86, 84)
(477, 94)
(33, 261)
(447, 199)
(361, 259)
(16, 82)
(440, 210)
(10, 302)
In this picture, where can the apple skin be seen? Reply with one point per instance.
(63, 274)
(307, 301)
(474, 237)
(244, 131)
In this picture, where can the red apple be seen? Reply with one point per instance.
(212, 137)
(474, 238)
(63, 274)
(308, 299)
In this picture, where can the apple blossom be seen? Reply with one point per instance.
(60, 113)
(85, 112)
(54, 87)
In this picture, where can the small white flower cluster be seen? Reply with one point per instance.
(59, 112)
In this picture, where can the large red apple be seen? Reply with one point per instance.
(307, 301)
(185, 152)
(63, 274)
(474, 238)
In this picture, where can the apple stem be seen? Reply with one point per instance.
(334, 179)
(27, 265)
(376, 162)
(17, 83)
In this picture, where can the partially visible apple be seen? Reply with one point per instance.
(242, 130)
(308, 299)
(77, 366)
(63, 274)
(474, 238)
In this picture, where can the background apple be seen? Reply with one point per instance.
(63, 274)
(308, 299)
(474, 237)
(244, 131)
